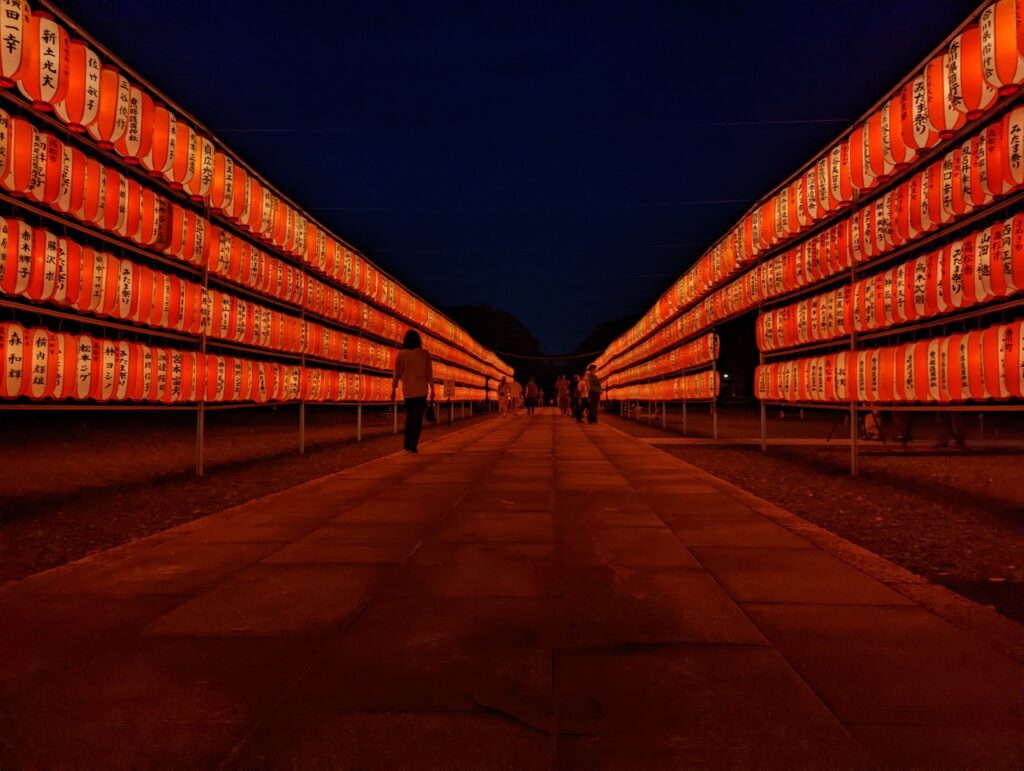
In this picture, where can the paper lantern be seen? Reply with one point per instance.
(184, 160)
(42, 283)
(137, 139)
(111, 119)
(14, 25)
(46, 170)
(943, 114)
(13, 355)
(222, 187)
(1001, 46)
(45, 72)
(1013, 149)
(16, 256)
(200, 179)
(969, 91)
(25, 157)
(918, 131)
(163, 140)
(79, 106)
(877, 140)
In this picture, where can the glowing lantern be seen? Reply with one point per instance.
(184, 160)
(79, 106)
(918, 131)
(881, 164)
(861, 174)
(200, 179)
(1013, 150)
(42, 283)
(942, 111)
(111, 119)
(26, 155)
(46, 170)
(163, 139)
(12, 350)
(222, 187)
(151, 209)
(44, 75)
(14, 26)
(969, 91)
(135, 143)
(894, 145)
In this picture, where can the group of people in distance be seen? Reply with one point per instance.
(414, 370)
(577, 397)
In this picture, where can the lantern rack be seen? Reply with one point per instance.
(224, 221)
(829, 217)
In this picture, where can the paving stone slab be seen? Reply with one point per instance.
(896, 666)
(726, 706)
(405, 653)
(269, 600)
(794, 576)
(395, 741)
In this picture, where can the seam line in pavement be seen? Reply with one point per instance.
(981, 623)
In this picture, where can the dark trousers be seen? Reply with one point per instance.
(595, 399)
(581, 407)
(414, 409)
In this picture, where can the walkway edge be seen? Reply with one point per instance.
(981, 622)
(185, 528)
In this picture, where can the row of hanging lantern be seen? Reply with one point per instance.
(66, 77)
(46, 171)
(983, 64)
(695, 353)
(701, 385)
(37, 265)
(981, 365)
(985, 265)
(45, 364)
(984, 168)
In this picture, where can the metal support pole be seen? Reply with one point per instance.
(302, 401)
(664, 416)
(200, 436)
(201, 407)
(684, 415)
(851, 384)
(394, 409)
(359, 397)
(714, 399)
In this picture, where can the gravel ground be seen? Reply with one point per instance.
(80, 482)
(955, 517)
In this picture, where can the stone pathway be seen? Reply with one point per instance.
(526, 593)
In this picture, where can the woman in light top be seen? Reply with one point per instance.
(414, 369)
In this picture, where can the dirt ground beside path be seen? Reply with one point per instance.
(75, 483)
(956, 518)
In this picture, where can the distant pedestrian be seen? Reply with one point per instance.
(416, 373)
(582, 397)
(503, 392)
(562, 394)
(945, 429)
(531, 396)
(574, 394)
(517, 397)
(594, 392)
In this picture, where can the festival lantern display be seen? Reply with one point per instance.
(969, 90)
(1002, 49)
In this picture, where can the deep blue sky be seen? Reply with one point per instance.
(564, 161)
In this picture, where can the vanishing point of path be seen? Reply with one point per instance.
(526, 593)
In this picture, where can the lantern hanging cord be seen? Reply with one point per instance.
(592, 354)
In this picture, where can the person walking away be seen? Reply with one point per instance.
(517, 397)
(582, 398)
(574, 395)
(416, 373)
(562, 393)
(531, 396)
(503, 391)
(594, 392)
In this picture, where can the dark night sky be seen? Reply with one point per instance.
(564, 161)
